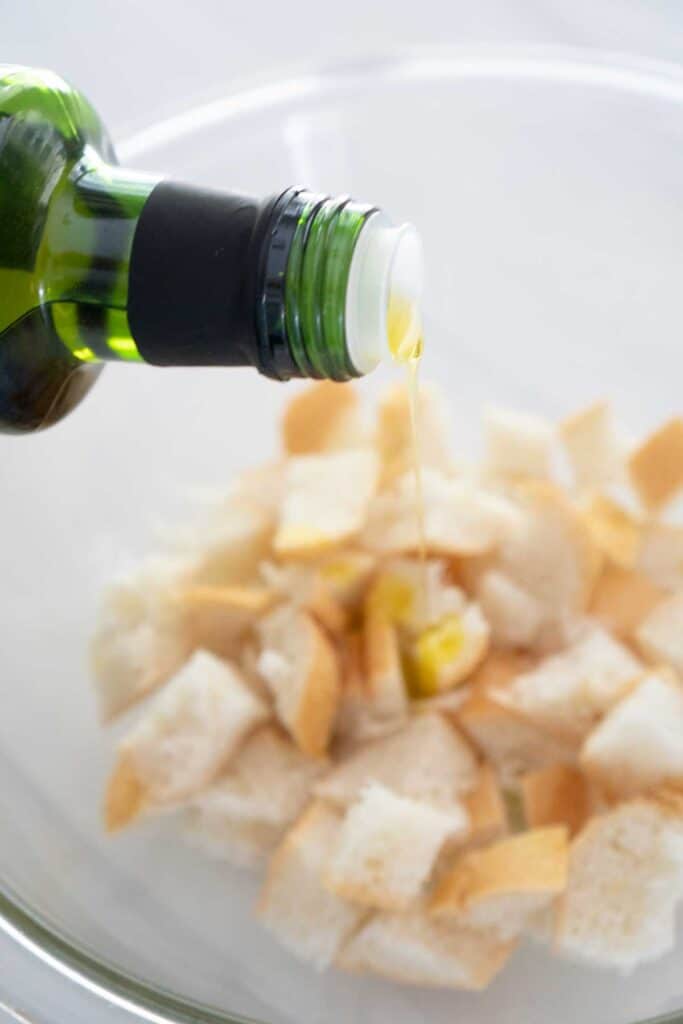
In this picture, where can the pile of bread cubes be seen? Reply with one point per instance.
(430, 759)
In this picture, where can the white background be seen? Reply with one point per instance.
(139, 59)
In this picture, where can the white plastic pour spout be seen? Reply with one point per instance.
(386, 264)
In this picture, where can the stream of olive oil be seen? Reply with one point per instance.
(405, 336)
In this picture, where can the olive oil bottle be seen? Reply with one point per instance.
(98, 263)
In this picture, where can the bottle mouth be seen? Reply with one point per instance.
(333, 272)
(387, 271)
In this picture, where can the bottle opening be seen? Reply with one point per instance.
(383, 294)
(310, 251)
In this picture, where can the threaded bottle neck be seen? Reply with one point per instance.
(302, 313)
(297, 286)
(330, 268)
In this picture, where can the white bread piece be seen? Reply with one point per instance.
(388, 846)
(257, 487)
(447, 703)
(373, 699)
(500, 887)
(138, 642)
(247, 506)
(445, 655)
(383, 684)
(615, 530)
(485, 807)
(325, 503)
(241, 818)
(498, 670)
(409, 596)
(592, 447)
(509, 740)
(427, 760)
(341, 579)
(656, 466)
(414, 594)
(414, 949)
(229, 547)
(568, 692)
(394, 440)
(186, 736)
(217, 618)
(345, 572)
(244, 844)
(352, 712)
(444, 636)
(640, 742)
(324, 417)
(514, 615)
(623, 599)
(329, 588)
(459, 517)
(300, 584)
(660, 634)
(552, 556)
(517, 444)
(557, 795)
(269, 780)
(247, 660)
(625, 876)
(300, 666)
(660, 555)
(295, 906)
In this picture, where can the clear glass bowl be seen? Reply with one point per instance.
(548, 188)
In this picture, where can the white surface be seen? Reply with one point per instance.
(138, 60)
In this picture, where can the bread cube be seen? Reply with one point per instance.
(427, 760)
(517, 444)
(656, 466)
(301, 669)
(499, 887)
(388, 846)
(412, 948)
(307, 918)
(592, 447)
(186, 736)
(625, 878)
(640, 743)
(326, 501)
(660, 634)
(323, 417)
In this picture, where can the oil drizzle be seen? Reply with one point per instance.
(413, 368)
(405, 337)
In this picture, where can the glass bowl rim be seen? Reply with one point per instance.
(617, 70)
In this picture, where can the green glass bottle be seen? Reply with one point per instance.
(99, 263)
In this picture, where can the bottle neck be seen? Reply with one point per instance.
(144, 270)
(307, 264)
(220, 279)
